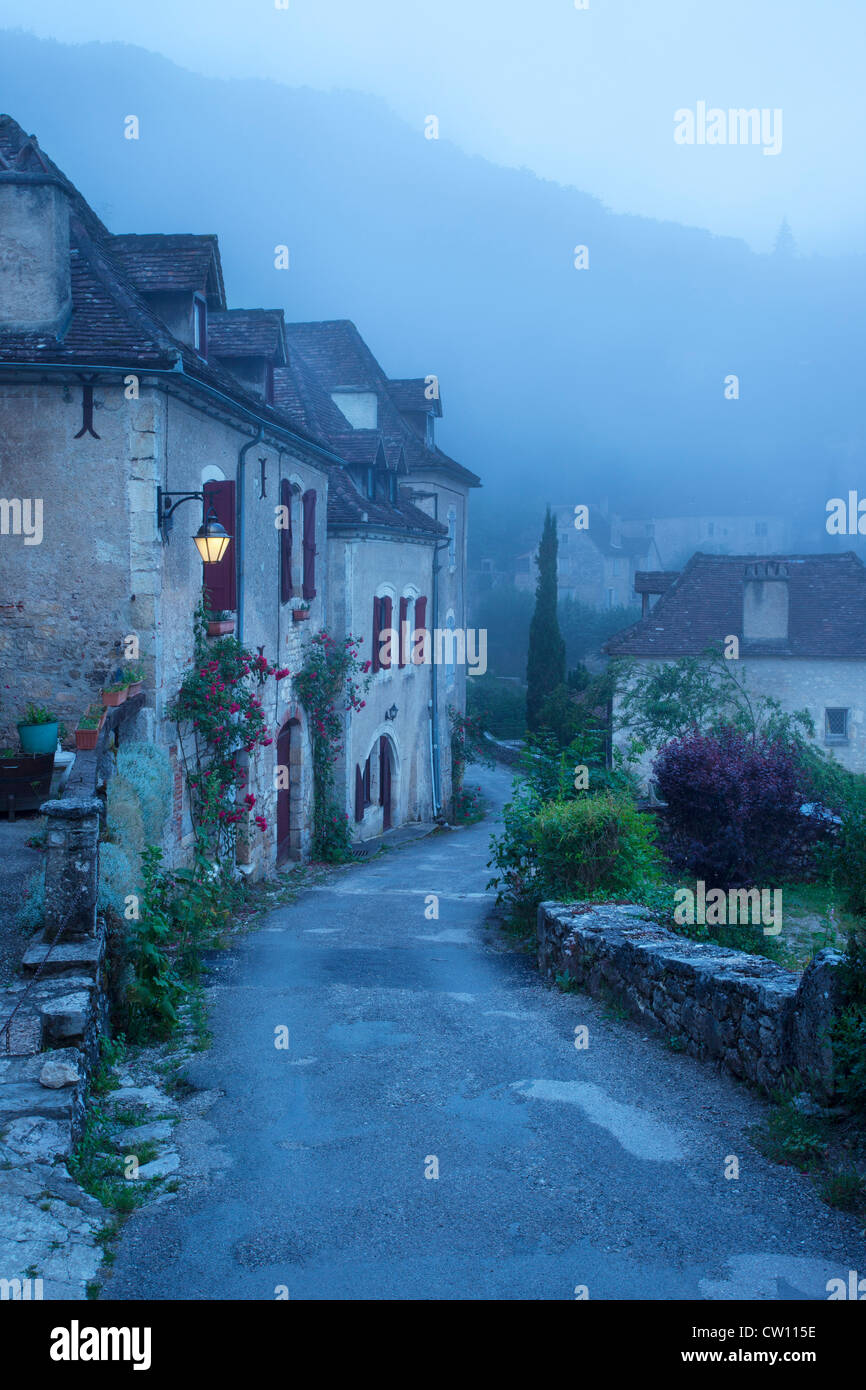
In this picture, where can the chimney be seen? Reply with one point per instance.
(35, 281)
(765, 602)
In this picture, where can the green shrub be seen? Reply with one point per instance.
(119, 875)
(594, 844)
(146, 768)
(849, 1027)
(30, 917)
(499, 706)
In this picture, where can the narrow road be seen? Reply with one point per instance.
(413, 1039)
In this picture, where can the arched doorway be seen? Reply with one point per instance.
(289, 791)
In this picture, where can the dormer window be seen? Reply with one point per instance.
(392, 487)
(199, 325)
(371, 483)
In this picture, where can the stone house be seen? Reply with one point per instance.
(595, 565)
(397, 524)
(800, 624)
(123, 373)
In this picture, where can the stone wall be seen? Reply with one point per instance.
(759, 1021)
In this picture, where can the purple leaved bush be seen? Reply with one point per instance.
(733, 813)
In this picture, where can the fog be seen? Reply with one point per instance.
(559, 383)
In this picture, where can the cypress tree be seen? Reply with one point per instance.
(545, 666)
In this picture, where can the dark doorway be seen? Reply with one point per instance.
(385, 781)
(284, 793)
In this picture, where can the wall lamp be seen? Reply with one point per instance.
(391, 713)
(211, 539)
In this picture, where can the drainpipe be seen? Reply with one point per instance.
(239, 526)
(435, 752)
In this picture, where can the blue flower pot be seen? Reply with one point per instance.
(38, 738)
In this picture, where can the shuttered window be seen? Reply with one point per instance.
(420, 623)
(286, 542)
(220, 580)
(309, 507)
(404, 613)
(376, 606)
(385, 613)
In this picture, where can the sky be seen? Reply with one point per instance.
(584, 97)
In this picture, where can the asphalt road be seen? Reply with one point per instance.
(413, 1039)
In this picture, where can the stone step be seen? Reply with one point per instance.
(65, 1016)
(68, 957)
(29, 1098)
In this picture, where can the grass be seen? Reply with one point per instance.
(791, 1139)
(845, 1189)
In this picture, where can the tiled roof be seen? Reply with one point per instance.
(704, 604)
(337, 354)
(653, 581)
(21, 159)
(158, 262)
(247, 333)
(410, 394)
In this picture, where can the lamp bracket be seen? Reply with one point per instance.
(167, 504)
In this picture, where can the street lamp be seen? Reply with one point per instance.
(211, 539)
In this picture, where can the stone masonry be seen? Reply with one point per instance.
(758, 1020)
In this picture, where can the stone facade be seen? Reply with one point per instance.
(759, 1021)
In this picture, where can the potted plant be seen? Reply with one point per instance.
(89, 726)
(37, 731)
(301, 613)
(133, 679)
(114, 694)
(220, 624)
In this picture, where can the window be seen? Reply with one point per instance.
(308, 504)
(382, 654)
(199, 325)
(760, 528)
(616, 568)
(371, 484)
(610, 598)
(220, 582)
(836, 725)
(452, 538)
(286, 531)
(711, 528)
(392, 487)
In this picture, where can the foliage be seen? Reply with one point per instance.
(131, 675)
(789, 1137)
(545, 664)
(38, 714)
(849, 1025)
(498, 705)
(330, 683)
(505, 612)
(218, 702)
(594, 844)
(585, 629)
(733, 806)
(707, 693)
(91, 717)
(848, 859)
(468, 804)
(30, 916)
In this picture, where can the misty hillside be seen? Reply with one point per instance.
(557, 383)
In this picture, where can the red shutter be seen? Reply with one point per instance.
(420, 622)
(359, 794)
(386, 612)
(404, 613)
(309, 501)
(286, 542)
(220, 580)
(376, 634)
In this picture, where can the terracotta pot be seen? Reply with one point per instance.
(300, 615)
(87, 738)
(135, 688)
(113, 698)
(221, 627)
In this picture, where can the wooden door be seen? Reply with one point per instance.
(385, 781)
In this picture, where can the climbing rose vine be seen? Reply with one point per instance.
(332, 681)
(219, 703)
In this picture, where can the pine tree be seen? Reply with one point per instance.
(545, 666)
(785, 247)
